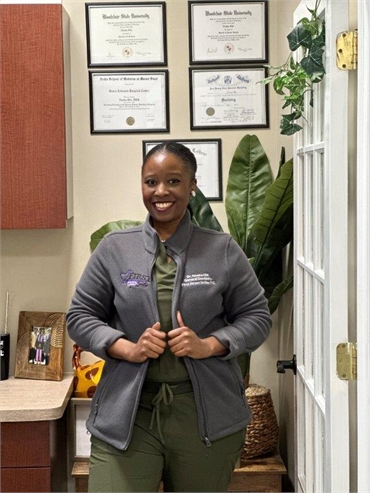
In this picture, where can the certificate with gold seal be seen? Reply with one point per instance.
(126, 34)
(132, 102)
(228, 32)
(228, 98)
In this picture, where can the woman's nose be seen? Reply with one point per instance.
(161, 189)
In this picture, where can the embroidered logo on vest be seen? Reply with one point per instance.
(133, 279)
(196, 279)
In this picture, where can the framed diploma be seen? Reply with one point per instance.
(228, 32)
(228, 98)
(132, 102)
(79, 410)
(126, 34)
(208, 153)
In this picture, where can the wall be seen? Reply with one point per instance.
(42, 267)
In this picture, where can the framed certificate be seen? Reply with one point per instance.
(132, 102)
(228, 98)
(208, 153)
(79, 410)
(126, 34)
(228, 32)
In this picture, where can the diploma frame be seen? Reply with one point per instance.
(247, 109)
(204, 150)
(79, 410)
(226, 32)
(156, 98)
(106, 43)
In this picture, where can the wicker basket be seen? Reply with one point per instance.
(263, 431)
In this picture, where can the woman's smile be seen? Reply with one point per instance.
(166, 187)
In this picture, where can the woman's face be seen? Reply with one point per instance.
(166, 187)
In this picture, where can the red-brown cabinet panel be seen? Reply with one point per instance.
(25, 444)
(33, 135)
(25, 479)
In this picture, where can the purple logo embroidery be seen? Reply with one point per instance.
(133, 279)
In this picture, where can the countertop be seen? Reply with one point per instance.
(34, 400)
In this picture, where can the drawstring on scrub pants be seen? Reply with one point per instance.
(164, 395)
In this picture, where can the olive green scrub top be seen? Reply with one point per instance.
(168, 367)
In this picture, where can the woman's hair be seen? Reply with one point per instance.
(179, 150)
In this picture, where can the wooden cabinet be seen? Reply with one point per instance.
(34, 122)
(33, 456)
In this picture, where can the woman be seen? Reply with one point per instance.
(169, 306)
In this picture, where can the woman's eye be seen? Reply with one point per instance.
(174, 180)
(150, 182)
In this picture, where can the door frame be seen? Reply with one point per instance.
(363, 249)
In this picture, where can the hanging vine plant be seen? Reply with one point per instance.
(294, 79)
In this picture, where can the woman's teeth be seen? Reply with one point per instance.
(162, 205)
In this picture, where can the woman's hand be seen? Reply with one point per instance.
(151, 344)
(184, 342)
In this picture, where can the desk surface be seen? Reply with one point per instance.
(34, 400)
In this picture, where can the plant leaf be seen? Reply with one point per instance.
(202, 213)
(312, 64)
(249, 176)
(274, 228)
(244, 361)
(278, 292)
(299, 37)
(287, 125)
(99, 234)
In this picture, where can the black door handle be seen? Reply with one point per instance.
(283, 365)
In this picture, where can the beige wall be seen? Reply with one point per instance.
(42, 267)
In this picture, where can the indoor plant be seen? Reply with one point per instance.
(296, 77)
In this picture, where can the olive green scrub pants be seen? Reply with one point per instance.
(165, 446)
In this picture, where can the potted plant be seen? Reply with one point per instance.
(296, 77)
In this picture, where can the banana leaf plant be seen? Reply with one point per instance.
(259, 211)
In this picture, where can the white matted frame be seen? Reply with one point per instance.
(129, 102)
(228, 32)
(208, 153)
(126, 34)
(79, 410)
(232, 97)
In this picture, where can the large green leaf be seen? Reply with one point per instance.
(112, 226)
(202, 213)
(300, 36)
(244, 361)
(278, 292)
(274, 228)
(249, 176)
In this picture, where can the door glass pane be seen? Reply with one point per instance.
(318, 344)
(308, 325)
(308, 209)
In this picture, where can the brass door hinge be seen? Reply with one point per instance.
(347, 361)
(347, 50)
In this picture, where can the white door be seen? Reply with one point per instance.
(321, 287)
(363, 249)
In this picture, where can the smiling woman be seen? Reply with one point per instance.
(169, 306)
(168, 179)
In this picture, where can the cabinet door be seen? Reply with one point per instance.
(27, 479)
(25, 444)
(33, 136)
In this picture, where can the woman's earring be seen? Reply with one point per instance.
(193, 194)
